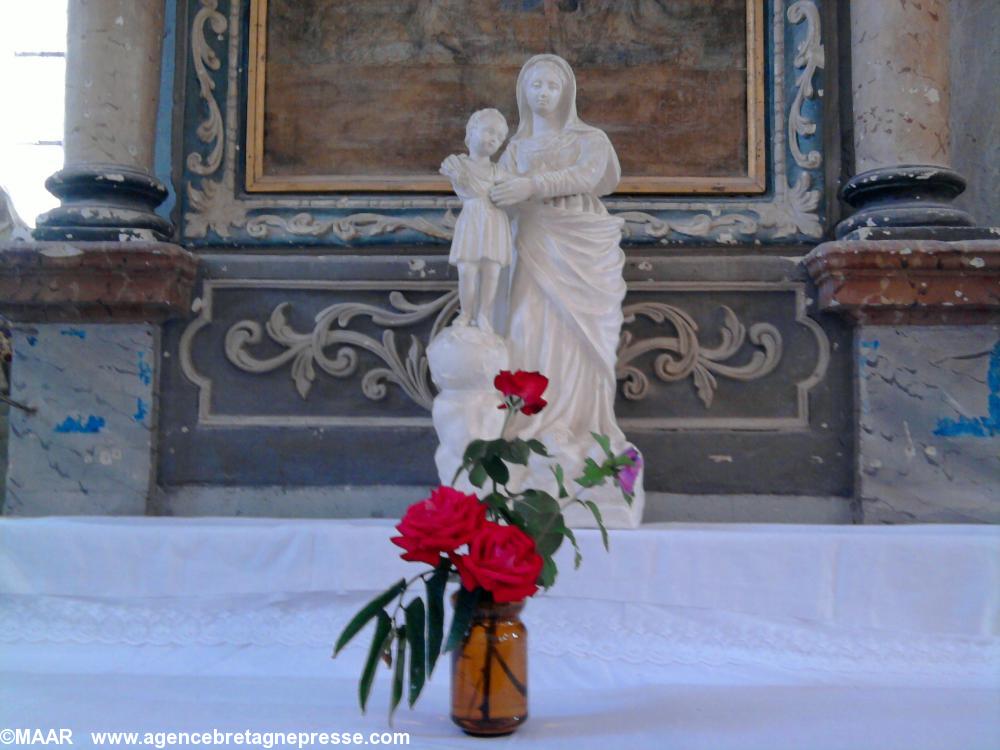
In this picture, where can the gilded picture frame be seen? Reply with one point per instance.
(259, 181)
(216, 208)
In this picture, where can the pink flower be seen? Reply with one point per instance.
(627, 475)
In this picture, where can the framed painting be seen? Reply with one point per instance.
(323, 122)
(370, 95)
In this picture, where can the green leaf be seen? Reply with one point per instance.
(538, 447)
(435, 613)
(475, 451)
(560, 480)
(600, 521)
(605, 442)
(465, 606)
(497, 469)
(548, 575)
(593, 474)
(397, 677)
(368, 612)
(577, 555)
(415, 635)
(383, 634)
(478, 475)
(498, 503)
(622, 460)
(543, 520)
(516, 451)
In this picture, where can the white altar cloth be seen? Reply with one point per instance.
(687, 636)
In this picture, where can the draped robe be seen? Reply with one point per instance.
(565, 305)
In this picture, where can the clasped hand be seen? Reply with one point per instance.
(511, 190)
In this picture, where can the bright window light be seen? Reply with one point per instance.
(33, 72)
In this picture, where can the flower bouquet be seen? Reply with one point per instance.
(500, 547)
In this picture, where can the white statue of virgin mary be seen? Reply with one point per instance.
(565, 302)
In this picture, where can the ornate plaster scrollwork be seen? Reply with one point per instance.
(214, 209)
(680, 357)
(699, 225)
(306, 351)
(797, 210)
(212, 129)
(350, 227)
(809, 56)
(683, 356)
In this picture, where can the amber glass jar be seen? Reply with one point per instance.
(489, 672)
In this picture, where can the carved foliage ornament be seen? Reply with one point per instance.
(680, 356)
(306, 351)
(213, 208)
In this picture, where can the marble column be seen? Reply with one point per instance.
(900, 80)
(106, 186)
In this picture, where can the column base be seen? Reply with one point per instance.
(104, 202)
(905, 196)
(908, 282)
(95, 281)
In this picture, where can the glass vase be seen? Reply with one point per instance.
(489, 672)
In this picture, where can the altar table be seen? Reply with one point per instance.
(684, 636)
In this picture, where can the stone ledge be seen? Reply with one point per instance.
(116, 282)
(908, 282)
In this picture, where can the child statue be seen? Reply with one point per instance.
(482, 242)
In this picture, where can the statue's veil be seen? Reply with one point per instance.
(569, 120)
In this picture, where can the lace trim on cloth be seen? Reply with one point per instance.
(608, 631)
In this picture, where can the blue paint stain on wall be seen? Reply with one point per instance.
(32, 340)
(93, 425)
(145, 371)
(873, 344)
(988, 426)
(141, 410)
(80, 334)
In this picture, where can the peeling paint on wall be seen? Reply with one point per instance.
(988, 426)
(93, 425)
(145, 370)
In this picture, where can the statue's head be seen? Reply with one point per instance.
(546, 86)
(485, 131)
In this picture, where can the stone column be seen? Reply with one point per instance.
(88, 300)
(107, 188)
(920, 283)
(899, 70)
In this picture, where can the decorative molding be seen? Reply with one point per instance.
(305, 351)
(909, 282)
(781, 424)
(809, 57)
(693, 359)
(215, 211)
(95, 282)
(212, 129)
(350, 227)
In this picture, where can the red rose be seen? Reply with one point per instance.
(440, 524)
(502, 560)
(526, 386)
